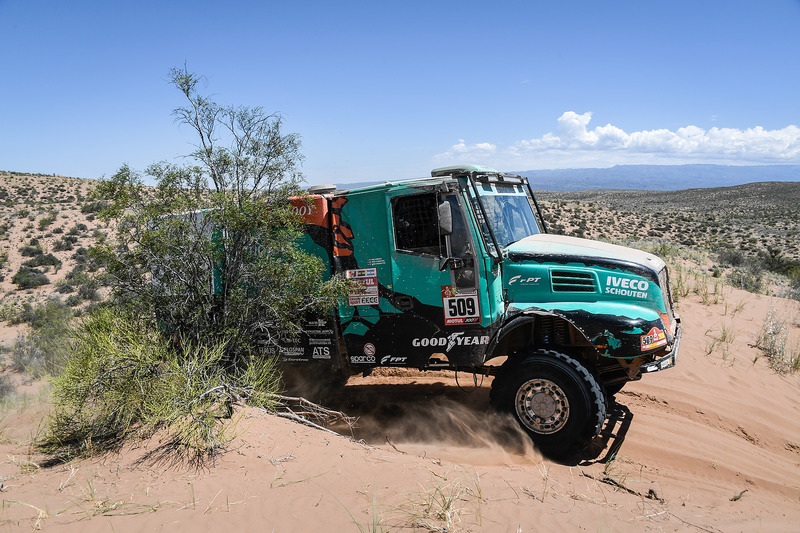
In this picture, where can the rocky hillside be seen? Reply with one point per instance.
(47, 226)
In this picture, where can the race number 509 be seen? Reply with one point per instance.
(461, 309)
(458, 307)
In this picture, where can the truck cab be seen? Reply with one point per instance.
(457, 271)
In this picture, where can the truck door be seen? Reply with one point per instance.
(435, 280)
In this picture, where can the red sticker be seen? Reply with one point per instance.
(460, 307)
(655, 338)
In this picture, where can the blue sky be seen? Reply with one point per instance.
(389, 90)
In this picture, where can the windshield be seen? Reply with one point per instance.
(508, 213)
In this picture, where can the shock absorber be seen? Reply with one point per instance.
(546, 330)
(560, 332)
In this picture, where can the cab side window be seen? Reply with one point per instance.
(416, 223)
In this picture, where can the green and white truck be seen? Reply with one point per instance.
(457, 272)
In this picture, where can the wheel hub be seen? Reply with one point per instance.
(542, 406)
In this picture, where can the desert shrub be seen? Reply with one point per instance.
(773, 341)
(7, 387)
(731, 257)
(748, 279)
(41, 317)
(78, 280)
(794, 290)
(65, 243)
(42, 351)
(88, 290)
(9, 312)
(122, 381)
(29, 278)
(94, 206)
(43, 260)
(81, 256)
(47, 220)
(65, 287)
(30, 250)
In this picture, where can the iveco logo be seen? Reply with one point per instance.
(625, 283)
(524, 281)
(632, 288)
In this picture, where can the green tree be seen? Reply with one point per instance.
(206, 277)
(210, 252)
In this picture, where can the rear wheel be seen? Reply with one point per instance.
(556, 400)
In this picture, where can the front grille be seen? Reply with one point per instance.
(572, 281)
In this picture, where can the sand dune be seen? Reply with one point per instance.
(711, 445)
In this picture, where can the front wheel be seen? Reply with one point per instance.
(556, 400)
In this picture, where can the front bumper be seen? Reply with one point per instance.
(668, 361)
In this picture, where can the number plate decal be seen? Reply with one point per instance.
(460, 307)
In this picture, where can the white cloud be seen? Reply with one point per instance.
(475, 149)
(574, 144)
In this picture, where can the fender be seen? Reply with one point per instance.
(622, 331)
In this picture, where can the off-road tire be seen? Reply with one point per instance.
(554, 397)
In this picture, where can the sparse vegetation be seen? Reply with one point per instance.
(121, 380)
(43, 351)
(773, 340)
(29, 278)
(751, 230)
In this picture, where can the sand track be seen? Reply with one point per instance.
(711, 445)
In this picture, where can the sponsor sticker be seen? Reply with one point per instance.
(393, 360)
(365, 290)
(525, 280)
(655, 338)
(460, 307)
(369, 349)
(633, 288)
(448, 343)
(321, 352)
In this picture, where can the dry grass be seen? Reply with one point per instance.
(774, 342)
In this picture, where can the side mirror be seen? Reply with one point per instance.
(445, 218)
(452, 262)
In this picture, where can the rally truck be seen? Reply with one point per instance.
(457, 272)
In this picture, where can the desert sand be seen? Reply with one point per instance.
(710, 445)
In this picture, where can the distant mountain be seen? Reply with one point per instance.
(646, 177)
(657, 177)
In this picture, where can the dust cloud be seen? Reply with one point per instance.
(434, 418)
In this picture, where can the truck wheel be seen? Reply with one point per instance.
(554, 397)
